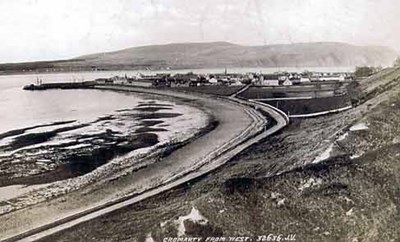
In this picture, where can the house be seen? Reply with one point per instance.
(213, 81)
(270, 83)
(305, 79)
(287, 82)
(236, 82)
(282, 78)
(332, 77)
(269, 80)
(349, 78)
(118, 80)
(104, 81)
(294, 79)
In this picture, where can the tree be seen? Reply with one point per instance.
(364, 71)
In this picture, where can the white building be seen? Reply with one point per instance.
(305, 79)
(213, 81)
(270, 83)
(287, 82)
(340, 77)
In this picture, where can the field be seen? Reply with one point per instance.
(308, 106)
(262, 92)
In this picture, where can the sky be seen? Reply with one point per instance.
(32, 30)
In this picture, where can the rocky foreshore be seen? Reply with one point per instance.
(46, 161)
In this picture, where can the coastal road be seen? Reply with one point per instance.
(240, 126)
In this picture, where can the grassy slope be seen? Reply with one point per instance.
(349, 200)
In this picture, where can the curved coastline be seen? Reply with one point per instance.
(25, 196)
(171, 171)
(108, 189)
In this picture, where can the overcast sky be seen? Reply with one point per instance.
(57, 29)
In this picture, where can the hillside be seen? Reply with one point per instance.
(220, 54)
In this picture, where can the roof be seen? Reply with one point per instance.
(271, 77)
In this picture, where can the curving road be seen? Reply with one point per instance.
(241, 126)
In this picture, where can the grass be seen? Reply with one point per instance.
(311, 105)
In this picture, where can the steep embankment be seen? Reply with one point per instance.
(220, 54)
(352, 194)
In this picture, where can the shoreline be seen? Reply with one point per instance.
(154, 175)
(142, 157)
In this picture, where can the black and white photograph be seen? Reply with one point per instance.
(199, 121)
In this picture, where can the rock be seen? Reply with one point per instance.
(310, 183)
(326, 233)
(350, 212)
(281, 202)
(275, 195)
(149, 238)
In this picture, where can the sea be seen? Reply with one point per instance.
(51, 135)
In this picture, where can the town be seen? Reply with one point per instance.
(298, 94)
(191, 79)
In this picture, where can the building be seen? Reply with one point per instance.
(213, 81)
(287, 82)
(305, 79)
(141, 83)
(104, 81)
(269, 80)
(332, 77)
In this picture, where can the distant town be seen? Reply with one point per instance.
(191, 79)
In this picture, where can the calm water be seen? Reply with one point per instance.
(19, 108)
(53, 135)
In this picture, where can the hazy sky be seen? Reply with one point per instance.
(54, 29)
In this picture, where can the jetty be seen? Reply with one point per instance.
(60, 85)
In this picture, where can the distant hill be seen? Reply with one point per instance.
(221, 54)
(224, 54)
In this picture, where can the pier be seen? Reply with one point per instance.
(61, 85)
